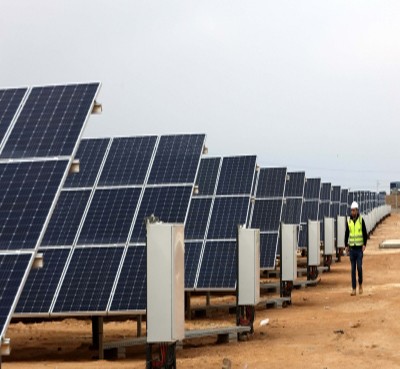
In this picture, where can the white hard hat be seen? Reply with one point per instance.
(354, 205)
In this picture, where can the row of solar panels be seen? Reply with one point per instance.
(95, 241)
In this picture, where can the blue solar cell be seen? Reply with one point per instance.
(312, 188)
(219, 266)
(271, 182)
(309, 210)
(12, 271)
(51, 121)
(326, 192)
(89, 279)
(291, 212)
(267, 214)
(335, 196)
(169, 204)
(177, 159)
(131, 293)
(227, 214)
(268, 250)
(90, 154)
(207, 175)
(42, 283)
(192, 258)
(10, 100)
(128, 161)
(27, 193)
(110, 216)
(66, 218)
(295, 184)
(196, 222)
(236, 176)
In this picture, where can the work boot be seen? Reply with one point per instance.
(353, 293)
(360, 289)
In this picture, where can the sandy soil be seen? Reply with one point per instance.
(324, 328)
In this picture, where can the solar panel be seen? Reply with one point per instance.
(271, 182)
(90, 154)
(50, 121)
(312, 189)
(207, 175)
(10, 101)
(267, 211)
(109, 217)
(267, 214)
(310, 209)
(177, 159)
(218, 267)
(169, 204)
(197, 219)
(295, 184)
(334, 210)
(291, 212)
(40, 129)
(13, 269)
(303, 236)
(42, 283)
(128, 161)
(111, 225)
(326, 192)
(130, 293)
(336, 192)
(227, 213)
(236, 176)
(66, 218)
(89, 279)
(268, 249)
(192, 257)
(27, 192)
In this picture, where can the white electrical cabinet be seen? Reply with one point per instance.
(249, 266)
(314, 243)
(341, 231)
(288, 252)
(165, 282)
(329, 236)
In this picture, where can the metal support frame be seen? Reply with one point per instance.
(97, 335)
(188, 308)
(139, 326)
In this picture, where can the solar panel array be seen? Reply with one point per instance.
(267, 211)
(40, 128)
(310, 209)
(95, 242)
(223, 201)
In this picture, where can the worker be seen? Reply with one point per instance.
(356, 237)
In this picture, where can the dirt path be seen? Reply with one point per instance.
(301, 336)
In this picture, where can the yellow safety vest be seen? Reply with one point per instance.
(355, 232)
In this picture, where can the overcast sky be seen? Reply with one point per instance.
(311, 85)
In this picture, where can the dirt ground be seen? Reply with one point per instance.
(324, 328)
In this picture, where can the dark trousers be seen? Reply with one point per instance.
(356, 257)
